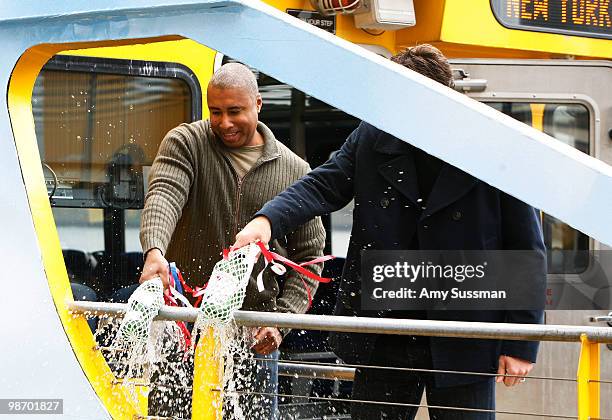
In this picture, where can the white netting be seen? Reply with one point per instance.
(142, 345)
(226, 288)
(143, 306)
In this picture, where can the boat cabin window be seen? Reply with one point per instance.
(99, 123)
(569, 123)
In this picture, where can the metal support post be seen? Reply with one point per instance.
(207, 398)
(588, 379)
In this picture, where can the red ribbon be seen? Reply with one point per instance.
(273, 256)
(171, 301)
(270, 258)
(196, 293)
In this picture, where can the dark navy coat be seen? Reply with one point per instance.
(462, 213)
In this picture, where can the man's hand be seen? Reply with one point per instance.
(512, 366)
(258, 229)
(155, 266)
(267, 339)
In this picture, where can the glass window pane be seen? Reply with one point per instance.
(568, 123)
(98, 134)
(80, 228)
(341, 226)
(94, 129)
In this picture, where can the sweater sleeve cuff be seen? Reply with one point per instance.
(144, 255)
(150, 243)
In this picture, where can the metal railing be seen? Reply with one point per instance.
(206, 384)
(458, 329)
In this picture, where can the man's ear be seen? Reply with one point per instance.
(258, 102)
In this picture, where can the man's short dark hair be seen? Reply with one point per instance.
(428, 61)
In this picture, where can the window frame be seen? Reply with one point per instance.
(594, 145)
(137, 68)
(128, 68)
(547, 98)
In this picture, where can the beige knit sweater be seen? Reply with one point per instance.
(196, 204)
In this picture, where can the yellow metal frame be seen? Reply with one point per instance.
(207, 397)
(464, 29)
(473, 23)
(191, 54)
(588, 379)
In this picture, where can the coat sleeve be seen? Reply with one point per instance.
(324, 190)
(521, 230)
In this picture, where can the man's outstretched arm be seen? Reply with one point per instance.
(172, 174)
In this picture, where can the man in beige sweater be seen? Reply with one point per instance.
(207, 181)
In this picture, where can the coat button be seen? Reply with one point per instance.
(384, 202)
(457, 215)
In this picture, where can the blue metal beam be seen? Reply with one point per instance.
(515, 158)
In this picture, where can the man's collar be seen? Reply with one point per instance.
(270, 149)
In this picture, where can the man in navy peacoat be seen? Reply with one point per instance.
(381, 173)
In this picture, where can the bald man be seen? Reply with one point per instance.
(207, 181)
